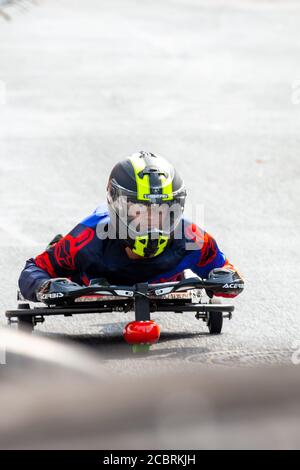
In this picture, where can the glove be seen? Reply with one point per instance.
(226, 277)
(60, 284)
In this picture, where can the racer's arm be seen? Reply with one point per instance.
(60, 260)
(209, 262)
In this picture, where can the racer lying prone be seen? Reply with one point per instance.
(140, 235)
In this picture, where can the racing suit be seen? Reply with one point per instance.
(82, 255)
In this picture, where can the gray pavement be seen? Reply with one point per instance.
(209, 85)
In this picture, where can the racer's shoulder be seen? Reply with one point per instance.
(197, 238)
(99, 216)
(84, 235)
(191, 230)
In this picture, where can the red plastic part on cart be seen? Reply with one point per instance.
(141, 332)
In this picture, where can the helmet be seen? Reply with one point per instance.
(146, 197)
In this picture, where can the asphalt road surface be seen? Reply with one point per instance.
(211, 85)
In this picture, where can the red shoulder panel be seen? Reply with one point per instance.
(205, 242)
(68, 247)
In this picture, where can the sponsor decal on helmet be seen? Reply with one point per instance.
(156, 196)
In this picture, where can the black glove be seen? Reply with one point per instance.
(231, 283)
(55, 285)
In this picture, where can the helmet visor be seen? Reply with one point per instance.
(147, 218)
(153, 218)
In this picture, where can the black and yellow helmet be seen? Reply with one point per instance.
(146, 199)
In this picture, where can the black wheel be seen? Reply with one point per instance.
(25, 323)
(215, 319)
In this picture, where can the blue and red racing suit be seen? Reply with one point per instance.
(82, 255)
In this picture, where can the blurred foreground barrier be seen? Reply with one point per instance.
(72, 402)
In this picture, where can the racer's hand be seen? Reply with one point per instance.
(228, 277)
(45, 287)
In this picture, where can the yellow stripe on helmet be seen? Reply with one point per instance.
(167, 187)
(142, 184)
